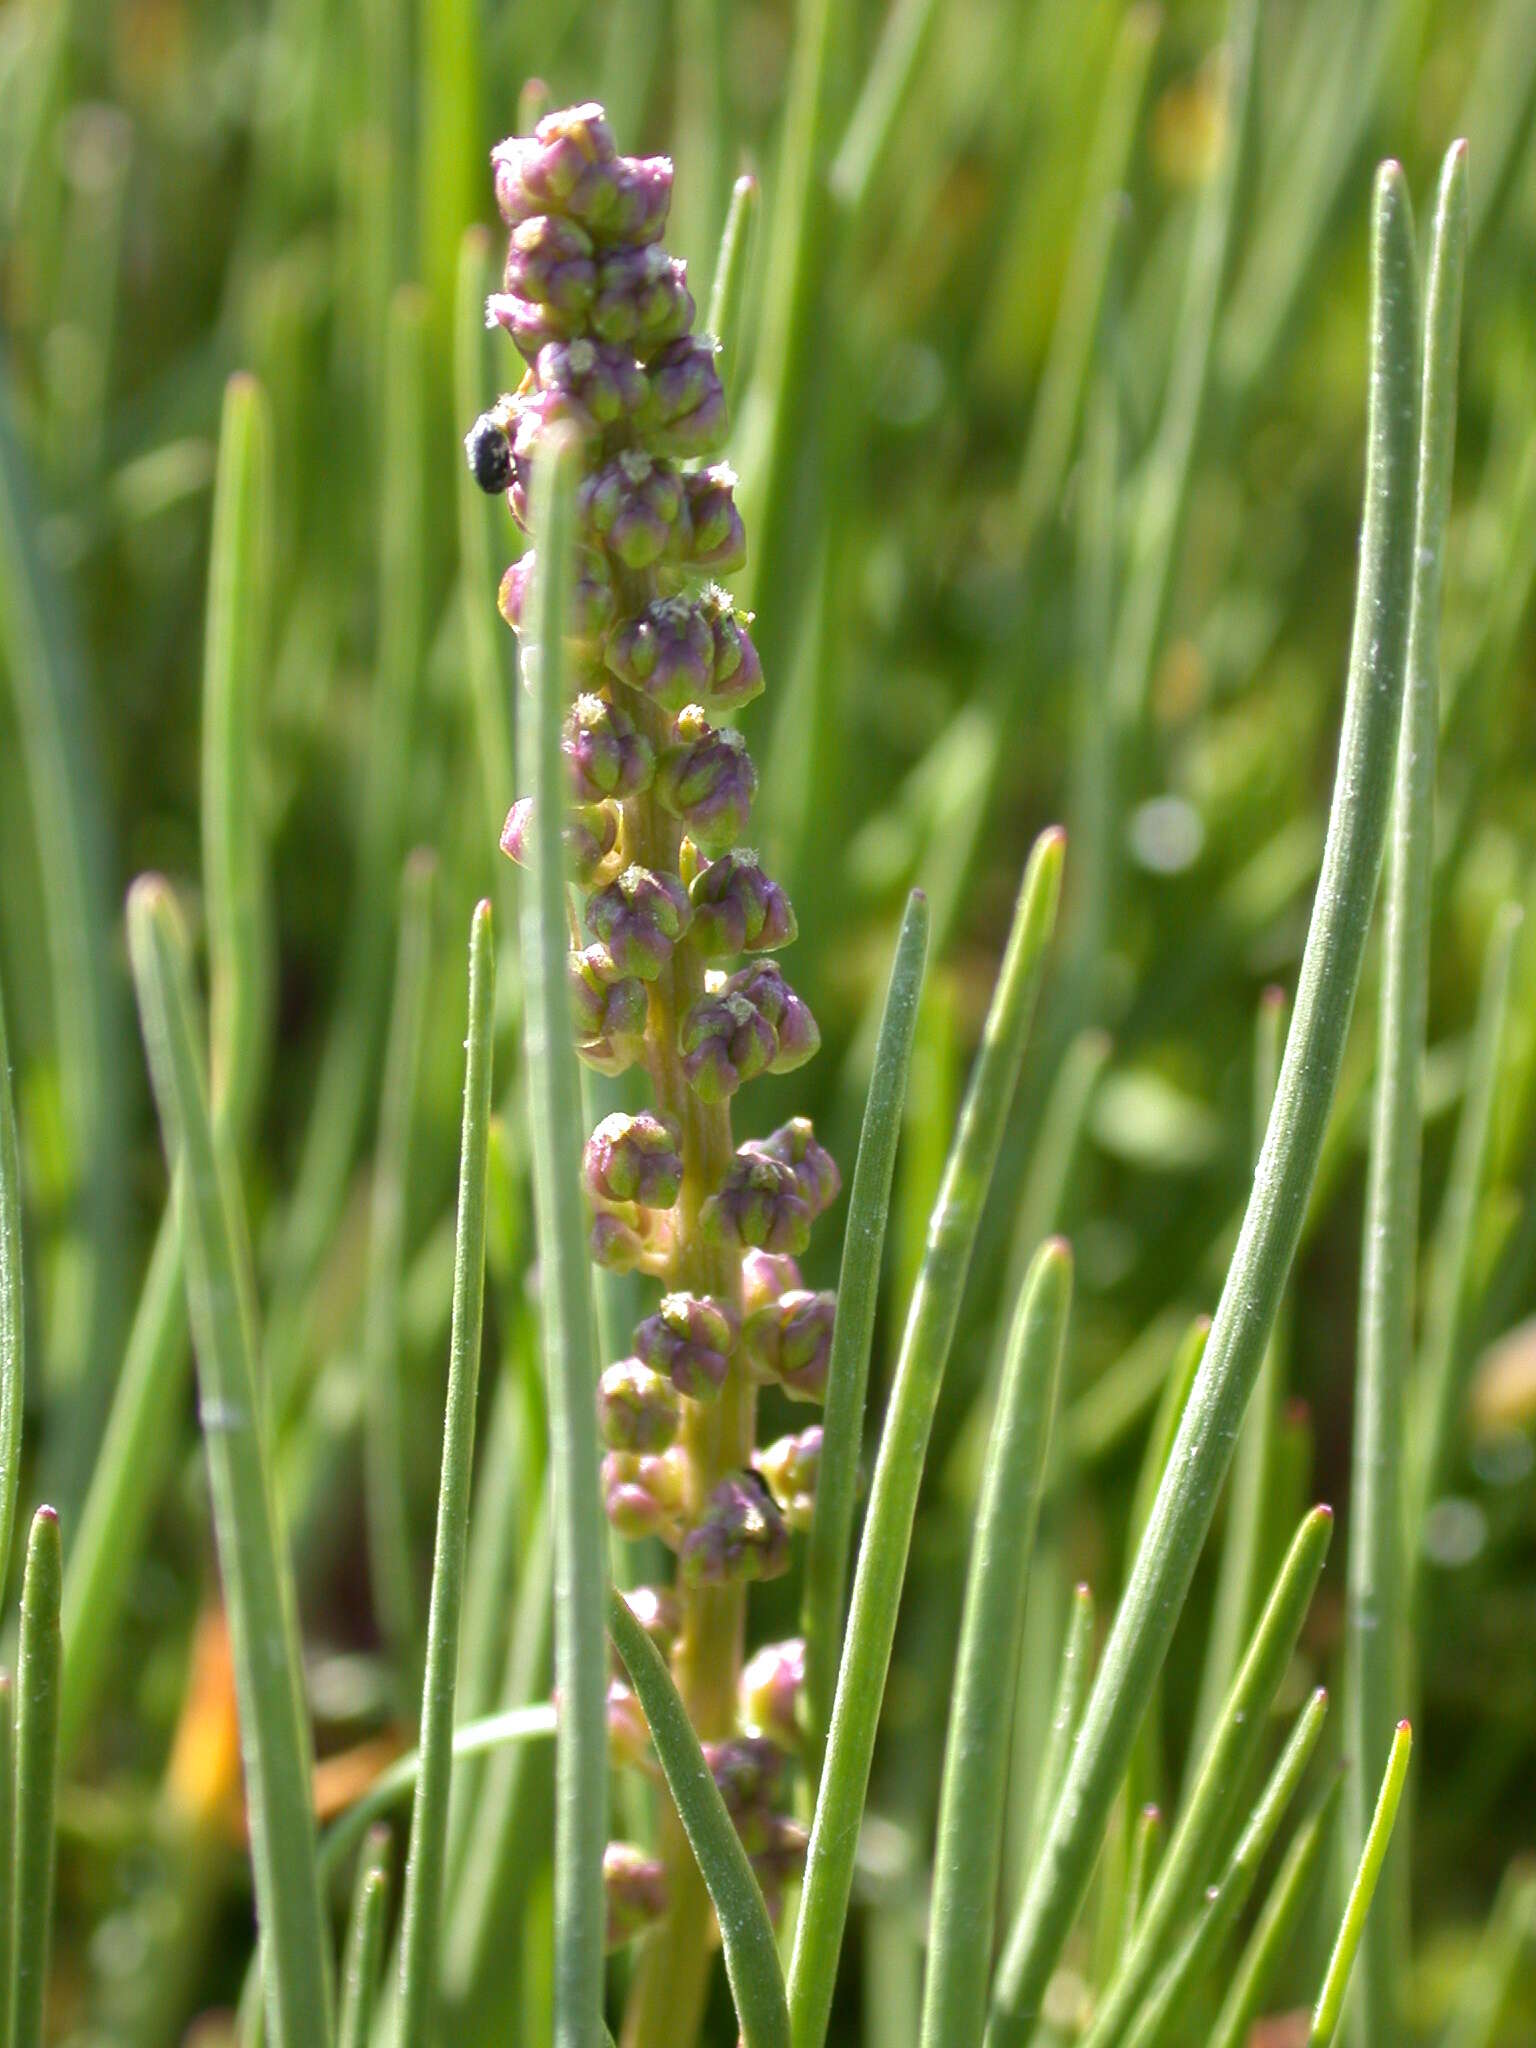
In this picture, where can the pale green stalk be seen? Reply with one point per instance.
(1146, 1847)
(1071, 1690)
(901, 55)
(1272, 1226)
(12, 1318)
(914, 1395)
(728, 288)
(1376, 1639)
(1293, 1890)
(1330, 2000)
(972, 1801)
(422, 1910)
(365, 1945)
(275, 1745)
(37, 1774)
(570, 1340)
(858, 1294)
(746, 1934)
(7, 1859)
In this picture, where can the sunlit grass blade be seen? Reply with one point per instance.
(12, 1320)
(422, 1911)
(882, 1561)
(1376, 1638)
(1165, 1428)
(37, 1771)
(1293, 1890)
(1272, 1225)
(751, 1957)
(1210, 1803)
(900, 57)
(391, 1565)
(1071, 1691)
(1162, 2011)
(1146, 1848)
(1330, 2000)
(365, 1945)
(971, 1804)
(275, 1744)
(858, 1294)
(728, 289)
(7, 1857)
(1509, 1938)
(581, 1569)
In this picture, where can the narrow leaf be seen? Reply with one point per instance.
(365, 1945)
(37, 1771)
(1330, 2001)
(1291, 1893)
(1071, 1689)
(7, 1858)
(12, 1320)
(730, 281)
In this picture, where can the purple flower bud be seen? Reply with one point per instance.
(606, 755)
(788, 1469)
(637, 1409)
(590, 384)
(685, 404)
(550, 265)
(740, 1535)
(629, 1734)
(667, 651)
(752, 1775)
(642, 300)
(657, 1611)
(724, 1042)
(634, 202)
(640, 916)
(719, 540)
(759, 1204)
(737, 908)
(790, 1341)
(769, 1692)
(645, 1492)
(546, 168)
(736, 674)
(611, 1010)
(706, 778)
(690, 1337)
(637, 508)
(794, 1145)
(634, 1892)
(794, 1028)
(780, 1862)
(624, 1239)
(593, 602)
(590, 833)
(634, 1158)
(765, 1276)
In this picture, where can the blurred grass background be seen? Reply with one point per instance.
(1050, 515)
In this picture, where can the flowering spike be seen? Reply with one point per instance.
(757, 1206)
(790, 1341)
(646, 1492)
(633, 1159)
(794, 1145)
(640, 916)
(739, 909)
(789, 1468)
(796, 1036)
(772, 1682)
(690, 1338)
(706, 778)
(606, 755)
(635, 1890)
(637, 1409)
(740, 1535)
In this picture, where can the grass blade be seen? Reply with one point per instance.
(858, 1293)
(925, 1347)
(365, 1945)
(422, 1911)
(751, 1956)
(1510, 1935)
(7, 1858)
(1272, 1225)
(1330, 2000)
(726, 292)
(1376, 1637)
(570, 1353)
(1146, 1849)
(1292, 1891)
(900, 55)
(972, 1801)
(37, 1773)
(274, 1734)
(1071, 1689)
(12, 1320)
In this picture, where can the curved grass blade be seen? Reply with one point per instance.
(751, 1956)
(1292, 1891)
(1223, 1771)
(1330, 2000)
(392, 1574)
(1146, 1849)
(858, 1292)
(887, 1537)
(12, 1320)
(972, 1802)
(7, 1858)
(1271, 1227)
(581, 1565)
(274, 1735)
(1071, 1690)
(365, 1945)
(1164, 2008)
(900, 56)
(1376, 1634)
(730, 280)
(422, 1910)
(37, 1772)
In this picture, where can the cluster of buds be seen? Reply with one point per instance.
(673, 973)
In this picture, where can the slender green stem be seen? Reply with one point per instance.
(751, 1957)
(570, 1340)
(1272, 1225)
(971, 1803)
(1508, 1938)
(1146, 1848)
(925, 1348)
(900, 58)
(1330, 2000)
(365, 1945)
(37, 1772)
(728, 289)
(1071, 1689)
(12, 1319)
(7, 1859)
(1293, 1890)
(858, 1293)
(1376, 1640)
(274, 1733)
(422, 1911)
